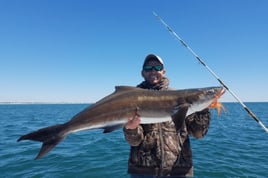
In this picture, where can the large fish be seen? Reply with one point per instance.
(113, 111)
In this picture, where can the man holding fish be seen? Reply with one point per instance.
(162, 149)
(158, 132)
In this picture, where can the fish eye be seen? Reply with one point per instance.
(211, 91)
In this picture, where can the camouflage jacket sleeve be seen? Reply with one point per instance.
(198, 123)
(134, 136)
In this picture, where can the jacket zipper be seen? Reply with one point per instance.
(162, 149)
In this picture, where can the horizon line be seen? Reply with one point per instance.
(63, 102)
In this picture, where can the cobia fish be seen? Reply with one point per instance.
(113, 111)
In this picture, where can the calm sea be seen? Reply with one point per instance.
(235, 146)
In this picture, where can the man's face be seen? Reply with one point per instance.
(153, 72)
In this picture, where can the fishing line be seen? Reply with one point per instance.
(211, 71)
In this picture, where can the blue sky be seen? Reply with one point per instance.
(77, 51)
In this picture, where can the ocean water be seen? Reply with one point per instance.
(235, 146)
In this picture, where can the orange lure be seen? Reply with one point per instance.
(216, 104)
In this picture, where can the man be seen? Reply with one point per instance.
(162, 149)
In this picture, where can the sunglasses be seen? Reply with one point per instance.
(150, 68)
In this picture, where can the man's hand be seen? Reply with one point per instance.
(133, 122)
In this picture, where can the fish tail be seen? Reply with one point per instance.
(50, 136)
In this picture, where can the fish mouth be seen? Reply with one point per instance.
(221, 92)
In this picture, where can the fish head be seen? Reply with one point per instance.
(205, 98)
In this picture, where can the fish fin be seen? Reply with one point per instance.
(179, 117)
(50, 136)
(112, 128)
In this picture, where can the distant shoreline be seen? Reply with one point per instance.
(10, 103)
(41, 103)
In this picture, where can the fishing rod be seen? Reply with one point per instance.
(211, 71)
